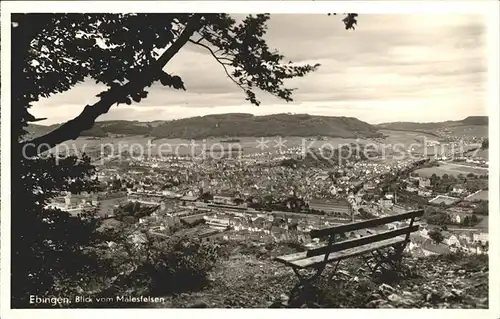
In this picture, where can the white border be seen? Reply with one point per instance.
(489, 8)
(5, 161)
(478, 7)
(494, 158)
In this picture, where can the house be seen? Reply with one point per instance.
(459, 189)
(452, 241)
(465, 238)
(424, 232)
(411, 188)
(235, 221)
(386, 203)
(209, 236)
(414, 178)
(244, 223)
(424, 182)
(223, 199)
(188, 199)
(279, 222)
(456, 218)
(217, 222)
(369, 186)
(480, 249)
(480, 237)
(259, 222)
(334, 207)
(424, 193)
(172, 220)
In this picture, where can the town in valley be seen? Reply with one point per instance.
(279, 193)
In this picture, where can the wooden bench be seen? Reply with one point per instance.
(385, 247)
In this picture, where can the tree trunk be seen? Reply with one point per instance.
(86, 119)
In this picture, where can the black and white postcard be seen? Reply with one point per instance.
(323, 155)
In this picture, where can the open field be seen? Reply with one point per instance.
(436, 130)
(248, 145)
(468, 130)
(483, 224)
(406, 137)
(417, 132)
(447, 200)
(396, 142)
(450, 169)
(483, 195)
(480, 154)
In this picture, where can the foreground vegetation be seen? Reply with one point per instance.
(242, 274)
(249, 278)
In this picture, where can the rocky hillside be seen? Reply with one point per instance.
(233, 125)
(250, 279)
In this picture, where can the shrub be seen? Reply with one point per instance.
(348, 294)
(470, 262)
(475, 263)
(436, 236)
(163, 266)
(294, 244)
(178, 265)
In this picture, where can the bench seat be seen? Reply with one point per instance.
(300, 260)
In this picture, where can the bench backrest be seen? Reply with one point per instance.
(337, 230)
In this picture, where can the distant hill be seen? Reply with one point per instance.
(471, 120)
(232, 125)
(475, 120)
(102, 129)
(37, 129)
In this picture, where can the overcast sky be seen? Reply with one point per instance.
(391, 68)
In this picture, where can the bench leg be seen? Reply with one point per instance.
(386, 259)
(382, 260)
(378, 258)
(369, 263)
(393, 260)
(304, 288)
(303, 279)
(398, 257)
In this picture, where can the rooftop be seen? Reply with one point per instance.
(189, 198)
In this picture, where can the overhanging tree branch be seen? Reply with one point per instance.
(86, 119)
(218, 59)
